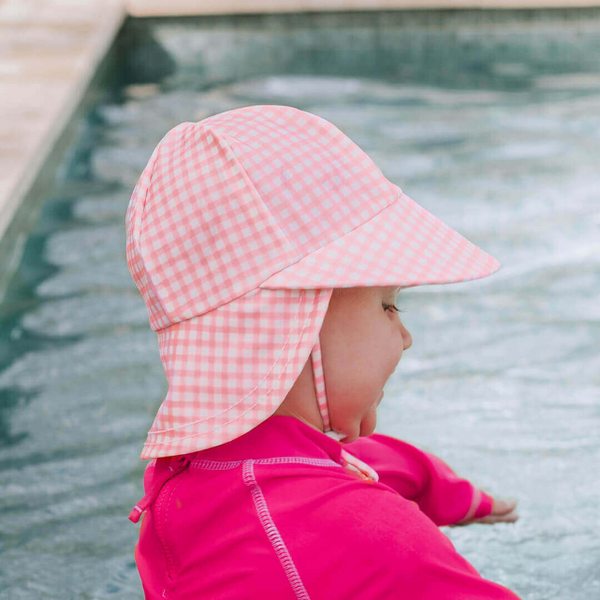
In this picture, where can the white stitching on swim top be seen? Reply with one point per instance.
(224, 465)
(266, 520)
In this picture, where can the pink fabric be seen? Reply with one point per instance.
(238, 229)
(249, 518)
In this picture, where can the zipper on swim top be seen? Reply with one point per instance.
(160, 512)
(177, 465)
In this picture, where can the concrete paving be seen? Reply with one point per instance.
(146, 8)
(49, 52)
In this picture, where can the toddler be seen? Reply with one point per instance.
(270, 251)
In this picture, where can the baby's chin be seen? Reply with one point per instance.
(359, 427)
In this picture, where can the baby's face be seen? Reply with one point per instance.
(361, 342)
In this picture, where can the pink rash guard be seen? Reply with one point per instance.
(274, 514)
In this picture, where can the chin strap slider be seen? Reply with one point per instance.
(351, 463)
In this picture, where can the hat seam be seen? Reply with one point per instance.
(228, 135)
(401, 195)
(251, 183)
(155, 156)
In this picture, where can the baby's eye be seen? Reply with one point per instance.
(393, 308)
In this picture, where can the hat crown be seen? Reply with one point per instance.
(228, 201)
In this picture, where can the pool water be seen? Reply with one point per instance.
(502, 380)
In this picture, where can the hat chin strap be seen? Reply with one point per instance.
(349, 461)
(319, 381)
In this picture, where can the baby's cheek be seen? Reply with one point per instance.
(396, 350)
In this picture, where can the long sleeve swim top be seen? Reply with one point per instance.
(274, 514)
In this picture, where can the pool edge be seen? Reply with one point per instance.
(50, 125)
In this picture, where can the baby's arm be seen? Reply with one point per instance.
(424, 478)
(379, 545)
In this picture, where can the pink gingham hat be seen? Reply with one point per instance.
(238, 229)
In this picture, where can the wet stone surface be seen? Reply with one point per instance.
(502, 380)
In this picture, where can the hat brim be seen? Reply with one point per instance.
(403, 245)
(230, 369)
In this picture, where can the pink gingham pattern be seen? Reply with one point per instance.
(402, 245)
(229, 369)
(237, 230)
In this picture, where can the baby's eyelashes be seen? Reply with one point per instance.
(393, 308)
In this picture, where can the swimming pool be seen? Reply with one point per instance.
(491, 120)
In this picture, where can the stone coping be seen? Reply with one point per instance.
(161, 8)
(50, 53)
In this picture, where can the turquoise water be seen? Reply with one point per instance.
(502, 380)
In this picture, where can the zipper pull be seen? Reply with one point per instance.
(177, 465)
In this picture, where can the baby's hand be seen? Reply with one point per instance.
(502, 512)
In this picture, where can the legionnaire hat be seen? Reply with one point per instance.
(238, 230)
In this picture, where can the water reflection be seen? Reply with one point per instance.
(501, 381)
